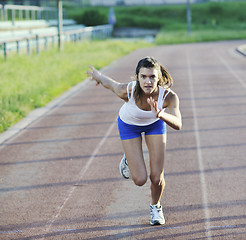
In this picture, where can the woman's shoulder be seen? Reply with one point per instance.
(131, 85)
(125, 90)
(172, 97)
(167, 91)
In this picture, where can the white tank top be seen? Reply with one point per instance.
(130, 113)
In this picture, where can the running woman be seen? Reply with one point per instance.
(143, 115)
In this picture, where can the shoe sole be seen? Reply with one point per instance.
(155, 223)
(121, 171)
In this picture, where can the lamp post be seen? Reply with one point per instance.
(60, 24)
(188, 14)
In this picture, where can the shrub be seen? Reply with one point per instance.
(91, 17)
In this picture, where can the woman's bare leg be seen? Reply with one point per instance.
(134, 155)
(157, 146)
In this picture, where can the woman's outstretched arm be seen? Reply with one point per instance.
(120, 89)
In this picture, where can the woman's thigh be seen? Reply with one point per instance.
(157, 147)
(134, 155)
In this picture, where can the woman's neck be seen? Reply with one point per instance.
(142, 101)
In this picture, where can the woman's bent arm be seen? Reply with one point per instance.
(173, 118)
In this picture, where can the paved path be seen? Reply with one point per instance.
(59, 177)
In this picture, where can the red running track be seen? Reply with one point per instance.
(59, 176)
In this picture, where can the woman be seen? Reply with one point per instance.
(146, 99)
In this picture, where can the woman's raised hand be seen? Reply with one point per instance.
(94, 75)
(153, 105)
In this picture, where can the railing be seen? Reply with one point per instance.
(30, 12)
(1, 12)
(41, 41)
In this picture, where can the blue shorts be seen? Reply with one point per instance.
(128, 131)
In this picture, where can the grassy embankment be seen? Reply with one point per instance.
(210, 21)
(29, 82)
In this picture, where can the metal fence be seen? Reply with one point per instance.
(136, 2)
(22, 12)
(43, 41)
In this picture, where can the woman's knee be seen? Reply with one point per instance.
(157, 179)
(140, 180)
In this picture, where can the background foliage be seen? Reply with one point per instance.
(222, 15)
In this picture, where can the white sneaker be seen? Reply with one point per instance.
(156, 215)
(124, 169)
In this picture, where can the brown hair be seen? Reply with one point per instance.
(165, 79)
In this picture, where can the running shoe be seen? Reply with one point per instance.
(156, 215)
(124, 169)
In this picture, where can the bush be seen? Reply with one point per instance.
(207, 15)
(91, 17)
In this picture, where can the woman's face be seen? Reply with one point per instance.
(148, 80)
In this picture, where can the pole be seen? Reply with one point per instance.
(5, 50)
(60, 24)
(188, 11)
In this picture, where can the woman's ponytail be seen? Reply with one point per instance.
(167, 80)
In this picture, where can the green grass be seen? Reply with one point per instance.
(29, 82)
(181, 36)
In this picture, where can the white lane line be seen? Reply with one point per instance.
(226, 226)
(14, 231)
(80, 176)
(199, 152)
(231, 70)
